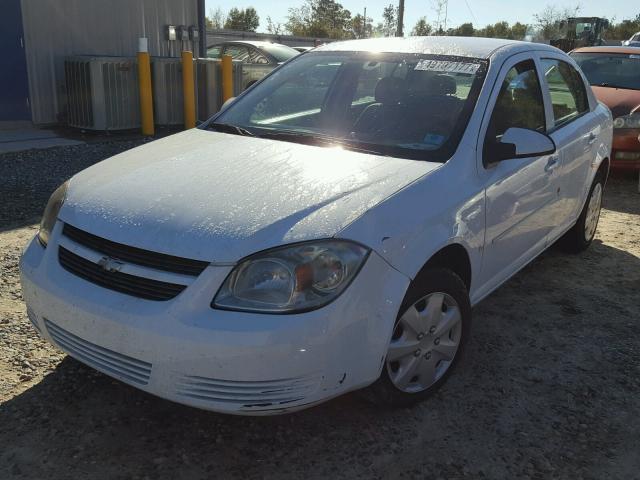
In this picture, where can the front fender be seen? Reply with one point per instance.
(408, 228)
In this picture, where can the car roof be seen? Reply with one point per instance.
(472, 47)
(255, 43)
(629, 50)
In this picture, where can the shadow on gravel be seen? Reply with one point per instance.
(622, 193)
(548, 388)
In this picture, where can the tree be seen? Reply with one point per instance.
(548, 20)
(501, 30)
(422, 28)
(242, 19)
(389, 24)
(465, 30)
(273, 27)
(361, 28)
(625, 29)
(216, 18)
(519, 31)
(320, 18)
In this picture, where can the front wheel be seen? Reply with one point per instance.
(583, 232)
(427, 341)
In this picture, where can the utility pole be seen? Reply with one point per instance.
(364, 24)
(399, 32)
(446, 14)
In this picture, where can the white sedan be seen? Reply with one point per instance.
(329, 230)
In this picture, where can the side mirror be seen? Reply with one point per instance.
(519, 143)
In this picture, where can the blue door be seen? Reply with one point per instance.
(14, 83)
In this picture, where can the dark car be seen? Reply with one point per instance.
(614, 74)
(260, 57)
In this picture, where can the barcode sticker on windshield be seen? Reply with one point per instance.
(447, 67)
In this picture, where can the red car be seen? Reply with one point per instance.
(614, 74)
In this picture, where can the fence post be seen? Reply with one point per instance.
(144, 82)
(188, 92)
(227, 78)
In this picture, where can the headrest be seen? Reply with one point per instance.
(390, 90)
(442, 85)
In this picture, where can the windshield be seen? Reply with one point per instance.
(403, 105)
(281, 53)
(615, 70)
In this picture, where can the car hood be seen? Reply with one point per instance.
(619, 100)
(219, 197)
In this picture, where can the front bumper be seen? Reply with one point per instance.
(231, 362)
(625, 153)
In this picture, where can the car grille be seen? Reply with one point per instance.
(120, 282)
(107, 361)
(135, 285)
(125, 253)
(247, 394)
(33, 319)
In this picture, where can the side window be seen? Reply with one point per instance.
(237, 52)
(519, 103)
(566, 89)
(299, 99)
(214, 52)
(257, 57)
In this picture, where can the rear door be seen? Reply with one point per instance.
(520, 193)
(14, 85)
(574, 130)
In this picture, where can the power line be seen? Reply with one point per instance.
(470, 11)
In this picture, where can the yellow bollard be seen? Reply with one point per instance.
(227, 78)
(144, 81)
(188, 90)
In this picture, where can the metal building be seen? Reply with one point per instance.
(37, 35)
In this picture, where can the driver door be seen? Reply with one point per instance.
(520, 193)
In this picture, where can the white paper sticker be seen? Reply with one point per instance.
(447, 67)
(634, 56)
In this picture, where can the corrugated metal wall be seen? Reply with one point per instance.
(55, 29)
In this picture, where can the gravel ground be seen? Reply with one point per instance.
(548, 389)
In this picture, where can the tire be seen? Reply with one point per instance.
(583, 232)
(437, 350)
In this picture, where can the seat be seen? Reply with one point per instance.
(433, 105)
(387, 111)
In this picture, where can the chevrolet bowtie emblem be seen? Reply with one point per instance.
(109, 264)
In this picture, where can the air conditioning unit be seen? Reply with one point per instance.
(168, 101)
(102, 92)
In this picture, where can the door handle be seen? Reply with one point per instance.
(591, 138)
(551, 164)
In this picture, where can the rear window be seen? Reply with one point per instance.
(281, 53)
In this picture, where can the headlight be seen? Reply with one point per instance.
(50, 214)
(627, 121)
(292, 279)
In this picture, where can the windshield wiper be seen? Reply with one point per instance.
(318, 139)
(228, 128)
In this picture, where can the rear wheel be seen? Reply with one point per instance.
(583, 232)
(427, 341)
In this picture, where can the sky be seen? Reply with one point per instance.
(479, 12)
